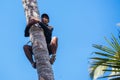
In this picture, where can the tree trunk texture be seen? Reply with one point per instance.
(39, 47)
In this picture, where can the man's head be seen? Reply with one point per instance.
(45, 18)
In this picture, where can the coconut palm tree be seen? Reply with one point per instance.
(37, 38)
(106, 60)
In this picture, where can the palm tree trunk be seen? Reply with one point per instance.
(39, 47)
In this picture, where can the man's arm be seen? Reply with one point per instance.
(32, 21)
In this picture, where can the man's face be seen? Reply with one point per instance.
(45, 20)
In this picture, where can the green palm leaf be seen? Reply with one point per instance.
(105, 55)
(108, 60)
(104, 48)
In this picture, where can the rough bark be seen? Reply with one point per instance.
(39, 46)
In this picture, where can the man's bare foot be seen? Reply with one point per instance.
(34, 65)
(53, 58)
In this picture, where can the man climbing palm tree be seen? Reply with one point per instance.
(51, 43)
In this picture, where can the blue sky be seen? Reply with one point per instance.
(77, 23)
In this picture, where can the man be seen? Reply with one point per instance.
(51, 43)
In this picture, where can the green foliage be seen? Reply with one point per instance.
(108, 60)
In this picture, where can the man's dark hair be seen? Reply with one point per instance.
(45, 15)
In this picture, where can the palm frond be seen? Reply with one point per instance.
(117, 78)
(105, 55)
(116, 75)
(108, 60)
(109, 70)
(100, 59)
(104, 48)
(97, 71)
(114, 43)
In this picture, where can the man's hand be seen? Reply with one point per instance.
(35, 19)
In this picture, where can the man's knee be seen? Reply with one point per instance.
(54, 42)
(55, 39)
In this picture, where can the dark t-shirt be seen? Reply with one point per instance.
(47, 31)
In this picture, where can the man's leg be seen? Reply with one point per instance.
(53, 46)
(28, 53)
